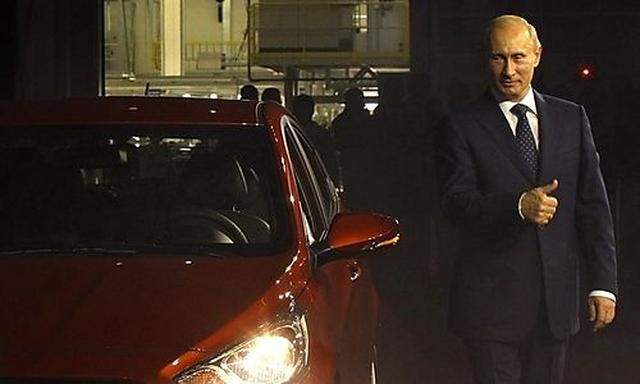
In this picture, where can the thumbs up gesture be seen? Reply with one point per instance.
(538, 206)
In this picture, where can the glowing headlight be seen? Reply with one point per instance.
(275, 356)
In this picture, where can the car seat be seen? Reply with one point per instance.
(214, 191)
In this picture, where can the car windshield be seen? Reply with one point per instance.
(148, 188)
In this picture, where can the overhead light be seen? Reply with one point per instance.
(370, 93)
(370, 106)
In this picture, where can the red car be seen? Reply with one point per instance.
(157, 240)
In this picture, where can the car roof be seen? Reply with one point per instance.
(123, 110)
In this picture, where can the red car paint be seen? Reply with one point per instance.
(148, 317)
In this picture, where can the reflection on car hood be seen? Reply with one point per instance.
(101, 310)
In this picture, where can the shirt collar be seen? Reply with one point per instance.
(528, 100)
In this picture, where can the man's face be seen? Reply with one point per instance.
(513, 56)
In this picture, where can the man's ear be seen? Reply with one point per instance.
(538, 57)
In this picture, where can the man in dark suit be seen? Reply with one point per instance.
(519, 176)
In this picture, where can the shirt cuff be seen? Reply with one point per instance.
(601, 293)
(520, 205)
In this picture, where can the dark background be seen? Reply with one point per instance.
(53, 49)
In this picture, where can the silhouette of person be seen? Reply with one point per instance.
(394, 146)
(272, 94)
(249, 92)
(304, 108)
(350, 132)
(627, 180)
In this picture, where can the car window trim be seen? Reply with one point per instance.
(313, 158)
(296, 149)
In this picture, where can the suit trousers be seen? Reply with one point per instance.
(538, 359)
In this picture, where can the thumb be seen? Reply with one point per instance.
(546, 189)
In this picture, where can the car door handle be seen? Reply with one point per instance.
(355, 271)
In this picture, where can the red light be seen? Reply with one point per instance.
(586, 72)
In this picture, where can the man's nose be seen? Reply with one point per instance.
(509, 68)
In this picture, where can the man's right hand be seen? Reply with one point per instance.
(537, 206)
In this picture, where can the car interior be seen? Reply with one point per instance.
(139, 191)
(220, 202)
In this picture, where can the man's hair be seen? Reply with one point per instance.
(249, 92)
(503, 20)
(271, 94)
(353, 97)
(303, 107)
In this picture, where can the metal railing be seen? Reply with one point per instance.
(205, 56)
(329, 33)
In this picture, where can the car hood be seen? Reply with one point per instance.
(144, 311)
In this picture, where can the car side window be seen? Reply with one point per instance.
(313, 204)
(327, 188)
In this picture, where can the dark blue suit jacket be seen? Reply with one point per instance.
(508, 269)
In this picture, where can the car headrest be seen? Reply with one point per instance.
(217, 182)
(253, 186)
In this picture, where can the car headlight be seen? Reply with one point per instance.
(276, 355)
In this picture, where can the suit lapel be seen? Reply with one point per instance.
(548, 126)
(493, 121)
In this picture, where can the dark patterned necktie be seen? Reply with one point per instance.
(524, 138)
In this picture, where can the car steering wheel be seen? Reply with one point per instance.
(206, 226)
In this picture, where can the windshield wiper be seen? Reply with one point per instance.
(189, 249)
(93, 250)
(195, 250)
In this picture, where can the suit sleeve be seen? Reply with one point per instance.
(593, 216)
(463, 202)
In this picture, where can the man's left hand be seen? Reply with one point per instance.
(602, 310)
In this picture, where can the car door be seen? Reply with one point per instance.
(346, 283)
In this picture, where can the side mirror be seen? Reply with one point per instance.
(355, 233)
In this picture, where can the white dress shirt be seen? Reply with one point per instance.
(532, 116)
